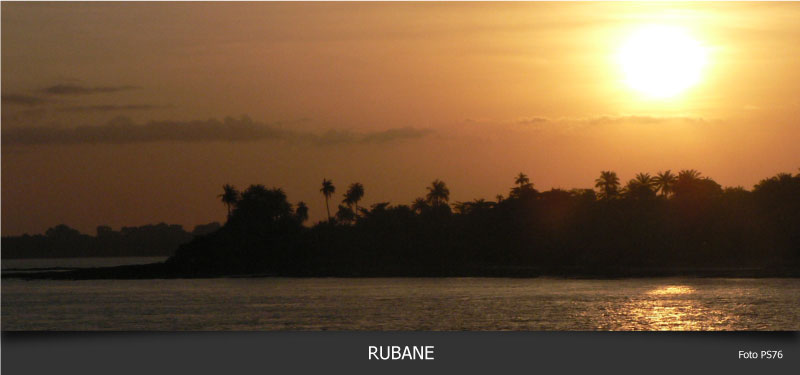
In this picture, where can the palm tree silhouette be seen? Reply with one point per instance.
(438, 193)
(229, 197)
(419, 205)
(524, 189)
(477, 205)
(522, 180)
(327, 190)
(641, 186)
(301, 212)
(345, 214)
(354, 194)
(644, 179)
(688, 174)
(663, 182)
(608, 183)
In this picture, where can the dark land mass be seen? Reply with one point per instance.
(670, 225)
(61, 241)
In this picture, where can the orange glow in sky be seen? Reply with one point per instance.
(392, 95)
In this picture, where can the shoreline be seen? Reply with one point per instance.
(166, 271)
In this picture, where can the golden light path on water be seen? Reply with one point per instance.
(440, 304)
(674, 308)
(671, 290)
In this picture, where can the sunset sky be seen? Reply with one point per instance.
(133, 113)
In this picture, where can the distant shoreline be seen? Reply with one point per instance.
(85, 257)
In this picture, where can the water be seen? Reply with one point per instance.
(402, 304)
(39, 263)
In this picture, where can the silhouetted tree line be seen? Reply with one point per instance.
(658, 224)
(62, 241)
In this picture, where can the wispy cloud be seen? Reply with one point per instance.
(544, 122)
(333, 137)
(70, 89)
(532, 121)
(395, 134)
(601, 120)
(110, 108)
(124, 131)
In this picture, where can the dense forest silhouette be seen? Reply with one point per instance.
(667, 224)
(663, 224)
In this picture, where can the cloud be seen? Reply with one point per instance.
(589, 122)
(109, 108)
(69, 89)
(24, 100)
(543, 127)
(532, 121)
(395, 134)
(607, 119)
(572, 124)
(333, 137)
(124, 131)
(602, 120)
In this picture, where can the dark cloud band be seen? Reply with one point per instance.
(24, 100)
(122, 131)
(109, 108)
(67, 89)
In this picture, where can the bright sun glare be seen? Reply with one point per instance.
(661, 61)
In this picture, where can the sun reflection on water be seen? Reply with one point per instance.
(671, 290)
(672, 308)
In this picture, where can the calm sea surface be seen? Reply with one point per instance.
(402, 304)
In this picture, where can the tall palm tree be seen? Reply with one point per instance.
(327, 190)
(608, 183)
(354, 194)
(438, 193)
(663, 182)
(229, 197)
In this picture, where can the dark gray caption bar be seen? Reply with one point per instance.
(347, 352)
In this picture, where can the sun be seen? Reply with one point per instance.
(661, 61)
